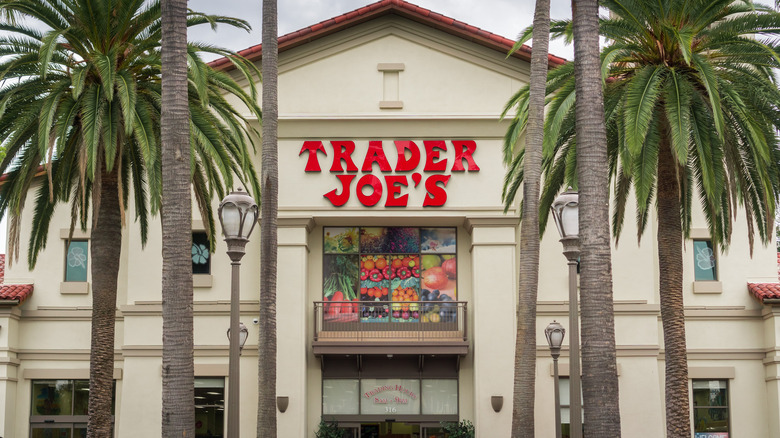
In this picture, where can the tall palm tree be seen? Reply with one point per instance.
(691, 106)
(82, 98)
(266, 406)
(599, 361)
(178, 389)
(523, 399)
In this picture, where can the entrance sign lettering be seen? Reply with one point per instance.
(370, 189)
(381, 396)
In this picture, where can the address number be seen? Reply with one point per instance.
(390, 409)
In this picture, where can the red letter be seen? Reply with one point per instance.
(393, 189)
(313, 164)
(375, 154)
(372, 199)
(339, 200)
(342, 150)
(404, 165)
(464, 152)
(432, 154)
(436, 196)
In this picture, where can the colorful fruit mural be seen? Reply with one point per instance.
(398, 274)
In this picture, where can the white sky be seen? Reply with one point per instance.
(503, 17)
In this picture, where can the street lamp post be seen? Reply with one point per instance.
(554, 334)
(238, 215)
(565, 211)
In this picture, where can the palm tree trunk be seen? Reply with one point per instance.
(599, 365)
(266, 407)
(106, 246)
(178, 391)
(670, 239)
(525, 341)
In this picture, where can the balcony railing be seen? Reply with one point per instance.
(390, 321)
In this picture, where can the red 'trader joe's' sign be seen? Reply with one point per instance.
(409, 160)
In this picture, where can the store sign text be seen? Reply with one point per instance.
(382, 399)
(370, 189)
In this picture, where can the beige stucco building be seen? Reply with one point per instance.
(387, 78)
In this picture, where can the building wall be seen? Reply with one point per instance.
(331, 89)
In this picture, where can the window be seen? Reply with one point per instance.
(710, 409)
(209, 407)
(564, 392)
(201, 254)
(407, 274)
(59, 408)
(704, 261)
(389, 396)
(76, 259)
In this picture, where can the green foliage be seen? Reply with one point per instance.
(694, 76)
(330, 430)
(80, 93)
(464, 429)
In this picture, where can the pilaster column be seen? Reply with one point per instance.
(9, 368)
(493, 309)
(292, 322)
(772, 368)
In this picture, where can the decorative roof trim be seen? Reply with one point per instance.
(385, 7)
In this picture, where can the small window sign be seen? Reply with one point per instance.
(705, 263)
(76, 261)
(201, 255)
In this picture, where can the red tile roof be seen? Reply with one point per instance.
(384, 7)
(12, 292)
(18, 292)
(764, 291)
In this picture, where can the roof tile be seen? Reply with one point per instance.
(18, 292)
(9, 292)
(764, 291)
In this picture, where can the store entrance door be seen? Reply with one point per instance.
(390, 430)
(394, 430)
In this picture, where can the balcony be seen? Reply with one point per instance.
(372, 327)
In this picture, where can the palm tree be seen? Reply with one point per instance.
(266, 406)
(599, 361)
(178, 390)
(525, 340)
(691, 106)
(82, 98)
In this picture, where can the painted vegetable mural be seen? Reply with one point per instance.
(398, 274)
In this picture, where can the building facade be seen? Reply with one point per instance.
(397, 278)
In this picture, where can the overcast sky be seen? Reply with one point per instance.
(503, 17)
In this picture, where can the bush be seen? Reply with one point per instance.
(464, 429)
(330, 430)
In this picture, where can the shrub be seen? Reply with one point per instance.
(464, 429)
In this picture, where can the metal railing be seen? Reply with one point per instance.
(390, 320)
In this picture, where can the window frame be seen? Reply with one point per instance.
(727, 407)
(215, 406)
(385, 305)
(68, 243)
(70, 421)
(208, 258)
(561, 394)
(715, 269)
(359, 380)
